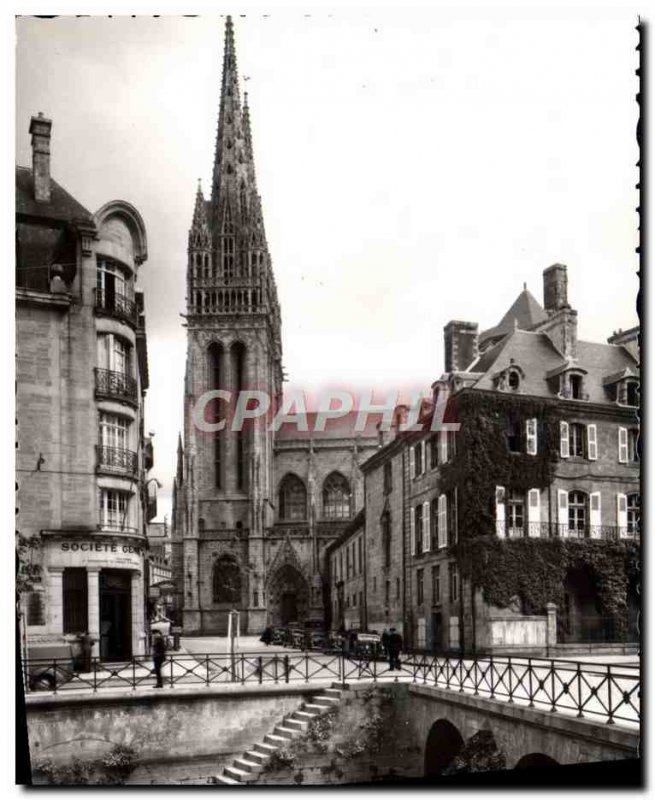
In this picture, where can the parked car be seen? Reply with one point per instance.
(279, 636)
(367, 645)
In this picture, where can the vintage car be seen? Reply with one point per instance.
(279, 636)
(49, 667)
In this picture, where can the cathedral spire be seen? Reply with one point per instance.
(199, 235)
(229, 135)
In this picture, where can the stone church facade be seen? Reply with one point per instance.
(253, 509)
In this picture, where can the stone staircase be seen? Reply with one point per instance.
(246, 769)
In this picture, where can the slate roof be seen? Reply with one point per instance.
(63, 207)
(537, 356)
(525, 312)
(335, 428)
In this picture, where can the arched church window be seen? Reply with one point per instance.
(292, 499)
(336, 497)
(227, 581)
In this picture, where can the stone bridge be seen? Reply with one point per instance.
(444, 720)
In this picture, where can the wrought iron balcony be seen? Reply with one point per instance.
(554, 530)
(116, 459)
(118, 306)
(116, 386)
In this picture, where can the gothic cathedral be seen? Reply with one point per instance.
(253, 509)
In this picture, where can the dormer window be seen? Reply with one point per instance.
(575, 382)
(513, 379)
(631, 393)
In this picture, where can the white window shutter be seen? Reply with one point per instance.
(623, 445)
(412, 531)
(426, 527)
(442, 522)
(622, 514)
(534, 512)
(592, 443)
(423, 457)
(500, 511)
(443, 447)
(563, 511)
(594, 515)
(531, 436)
(412, 462)
(564, 439)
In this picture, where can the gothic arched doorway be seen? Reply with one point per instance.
(288, 596)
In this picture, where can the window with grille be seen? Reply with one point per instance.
(75, 597)
(293, 499)
(35, 608)
(577, 511)
(336, 497)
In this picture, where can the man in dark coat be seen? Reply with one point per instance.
(158, 656)
(394, 646)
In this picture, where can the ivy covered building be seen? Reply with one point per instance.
(521, 529)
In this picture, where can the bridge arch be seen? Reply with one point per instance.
(443, 743)
(535, 760)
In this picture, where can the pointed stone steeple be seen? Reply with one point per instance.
(199, 234)
(180, 461)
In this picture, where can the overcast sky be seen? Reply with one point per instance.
(413, 168)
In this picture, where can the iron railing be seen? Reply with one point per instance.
(116, 459)
(116, 305)
(606, 693)
(115, 385)
(555, 530)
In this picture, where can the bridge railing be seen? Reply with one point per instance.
(607, 693)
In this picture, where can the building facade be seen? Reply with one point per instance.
(521, 529)
(82, 374)
(254, 509)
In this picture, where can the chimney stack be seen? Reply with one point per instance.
(555, 288)
(40, 128)
(460, 345)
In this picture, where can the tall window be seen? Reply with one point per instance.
(436, 584)
(75, 597)
(577, 512)
(336, 497)
(515, 514)
(419, 587)
(114, 354)
(359, 555)
(434, 451)
(434, 523)
(239, 373)
(226, 581)
(634, 514)
(576, 439)
(514, 435)
(633, 444)
(387, 592)
(293, 498)
(214, 411)
(418, 529)
(228, 257)
(385, 528)
(114, 431)
(387, 478)
(575, 382)
(113, 509)
(112, 280)
(454, 582)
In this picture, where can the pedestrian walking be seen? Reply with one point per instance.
(394, 646)
(385, 642)
(158, 656)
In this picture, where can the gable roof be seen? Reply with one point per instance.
(335, 428)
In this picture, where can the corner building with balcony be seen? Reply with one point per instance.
(82, 374)
(254, 510)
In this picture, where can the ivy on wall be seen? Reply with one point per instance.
(533, 569)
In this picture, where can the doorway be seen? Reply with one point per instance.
(288, 608)
(115, 615)
(437, 632)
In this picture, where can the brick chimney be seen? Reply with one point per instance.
(40, 128)
(460, 345)
(555, 288)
